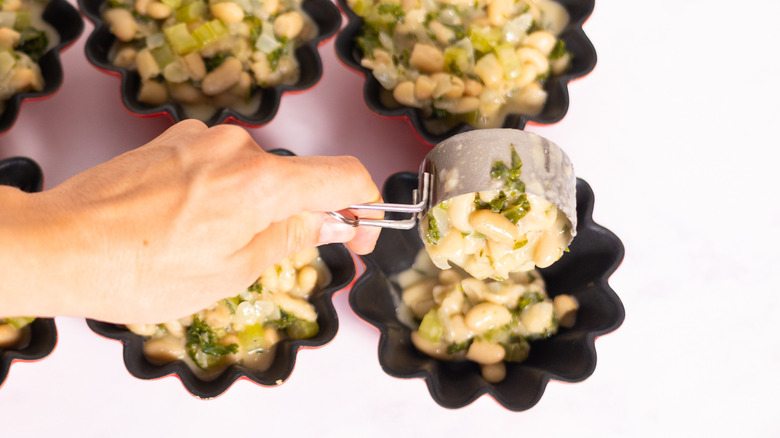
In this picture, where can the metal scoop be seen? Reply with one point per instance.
(462, 164)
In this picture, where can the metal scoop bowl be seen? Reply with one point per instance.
(462, 164)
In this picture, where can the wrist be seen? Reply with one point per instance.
(32, 255)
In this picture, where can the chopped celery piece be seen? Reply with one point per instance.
(7, 62)
(252, 338)
(509, 60)
(163, 55)
(20, 321)
(191, 12)
(362, 7)
(456, 60)
(172, 3)
(22, 20)
(7, 18)
(484, 39)
(180, 39)
(431, 327)
(302, 329)
(516, 350)
(209, 32)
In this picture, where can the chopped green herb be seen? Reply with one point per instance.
(433, 234)
(457, 347)
(203, 345)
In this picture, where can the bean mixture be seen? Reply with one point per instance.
(24, 38)
(457, 317)
(15, 332)
(470, 61)
(207, 55)
(247, 327)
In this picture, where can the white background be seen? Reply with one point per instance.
(675, 130)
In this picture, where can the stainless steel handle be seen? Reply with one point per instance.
(417, 210)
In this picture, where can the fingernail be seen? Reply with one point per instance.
(336, 232)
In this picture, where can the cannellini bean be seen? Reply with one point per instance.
(9, 37)
(305, 257)
(121, 23)
(495, 227)
(494, 372)
(535, 57)
(230, 358)
(146, 64)
(444, 35)
(419, 298)
(175, 328)
(560, 65)
(456, 330)
(427, 58)
(185, 92)
(498, 11)
(12, 5)
(403, 93)
(175, 72)
(222, 77)
(449, 276)
(541, 40)
(307, 279)
(288, 24)
(164, 349)
(485, 353)
(125, 57)
(537, 318)
(21, 78)
(9, 335)
(228, 12)
(549, 248)
(193, 63)
(158, 10)
(453, 303)
(474, 289)
(153, 93)
(447, 85)
(141, 5)
(565, 308)
(528, 74)
(423, 87)
(487, 316)
(532, 96)
(459, 212)
(219, 316)
(408, 5)
(286, 273)
(449, 247)
(142, 329)
(433, 349)
(489, 70)
(270, 6)
(472, 87)
(298, 307)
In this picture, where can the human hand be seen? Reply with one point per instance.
(167, 229)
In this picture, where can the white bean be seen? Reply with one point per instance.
(487, 316)
(9, 335)
(228, 12)
(427, 58)
(498, 11)
(494, 373)
(307, 279)
(222, 77)
(565, 308)
(121, 23)
(403, 93)
(549, 248)
(489, 70)
(435, 350)
(485, 353)
(164, 349)
(158, 10)
(541, 40)
(459, 212)
(495, 227)
(288, 24)
(146, 64)
(142, 329)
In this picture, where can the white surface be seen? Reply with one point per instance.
(675, 132)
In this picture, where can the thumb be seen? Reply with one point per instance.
(295, 234)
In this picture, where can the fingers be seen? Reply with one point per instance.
(317, 184)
